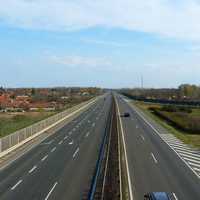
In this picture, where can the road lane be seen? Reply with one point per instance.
(55, 161)
(168, 174)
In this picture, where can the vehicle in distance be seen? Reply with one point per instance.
(157, 196)
(126, 114)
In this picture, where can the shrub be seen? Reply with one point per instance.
(185, 109)
(169, 108)
(173, 108)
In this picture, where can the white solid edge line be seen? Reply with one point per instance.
(16, 184)
(120, 167)
(154, 158)
(166, 142)
(125, 152)
(48, 195)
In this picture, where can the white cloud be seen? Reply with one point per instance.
(82, 61)
(106, 43)
(163, 17)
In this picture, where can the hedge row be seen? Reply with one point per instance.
(180, 120)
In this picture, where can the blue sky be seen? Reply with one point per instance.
(103, 43)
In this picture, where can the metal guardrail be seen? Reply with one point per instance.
(21, 135)
(99, 163)
(105, 182)
(126, 186)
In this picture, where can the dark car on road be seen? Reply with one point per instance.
(126, 114)
(157, 196)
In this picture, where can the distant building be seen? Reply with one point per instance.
(42, 106)
(64, 97)
(22, 98)
(85, 94)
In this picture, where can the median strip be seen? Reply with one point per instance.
(125, 154)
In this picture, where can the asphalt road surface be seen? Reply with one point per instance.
(61, 166)
(153, 165)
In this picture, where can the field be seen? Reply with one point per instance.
(11, 122)
(183, 123)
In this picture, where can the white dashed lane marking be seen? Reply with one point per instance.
(142, 137)
(52, 150)
(65, 137)
(87, 134)
(60, 142)
(19, 182)
(76, 152)
(44, 158)
(70, 143)
(33, 168)
(154, 158)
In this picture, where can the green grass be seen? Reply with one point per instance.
(10, 123)
(195, 112)
(191, 139)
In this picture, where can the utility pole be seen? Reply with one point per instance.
(142, 82)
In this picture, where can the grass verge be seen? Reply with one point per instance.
(11, 122)
(191, 139)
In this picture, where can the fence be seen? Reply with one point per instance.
(23, 135)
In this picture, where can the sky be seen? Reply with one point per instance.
(103, 43)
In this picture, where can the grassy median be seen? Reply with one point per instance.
(175, 121)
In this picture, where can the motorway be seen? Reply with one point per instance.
(61, 166)
(152, 164)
